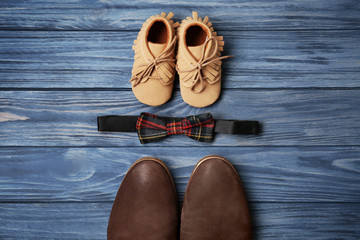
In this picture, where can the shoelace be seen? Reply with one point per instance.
(203, 62)
(165, 56)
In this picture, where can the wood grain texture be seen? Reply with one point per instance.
(129, 15)
(285, 59)
(296, 69)
(289, 117)
(269, 174)
(89, 221)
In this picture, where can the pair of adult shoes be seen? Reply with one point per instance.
(214, 206)
(198, 60)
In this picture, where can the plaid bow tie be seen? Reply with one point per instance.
(151, 128)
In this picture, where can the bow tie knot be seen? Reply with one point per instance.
(151, 128)
(174, 127)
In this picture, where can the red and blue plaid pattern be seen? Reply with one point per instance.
(151, 128)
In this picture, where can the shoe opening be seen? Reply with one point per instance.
(158, 33)
(195, 36)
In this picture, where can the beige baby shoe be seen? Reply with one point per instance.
(199, 61)
(153, 71)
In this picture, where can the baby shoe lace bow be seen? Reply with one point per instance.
(203, 62)
(153, 64)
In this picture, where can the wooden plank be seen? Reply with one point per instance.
(289, 117)
(269, 174)
(285, 59)
(231, 15)
(89, 221)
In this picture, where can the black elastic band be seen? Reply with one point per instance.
(115, 123)
(237, 127)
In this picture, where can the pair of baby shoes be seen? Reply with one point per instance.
(198, 60)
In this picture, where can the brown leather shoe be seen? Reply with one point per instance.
(215, 206)
(145, 206)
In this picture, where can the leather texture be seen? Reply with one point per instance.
(145, 207)
(199, 61)
(153, 71)
(215, 207)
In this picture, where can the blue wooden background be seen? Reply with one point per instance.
(297, 70)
